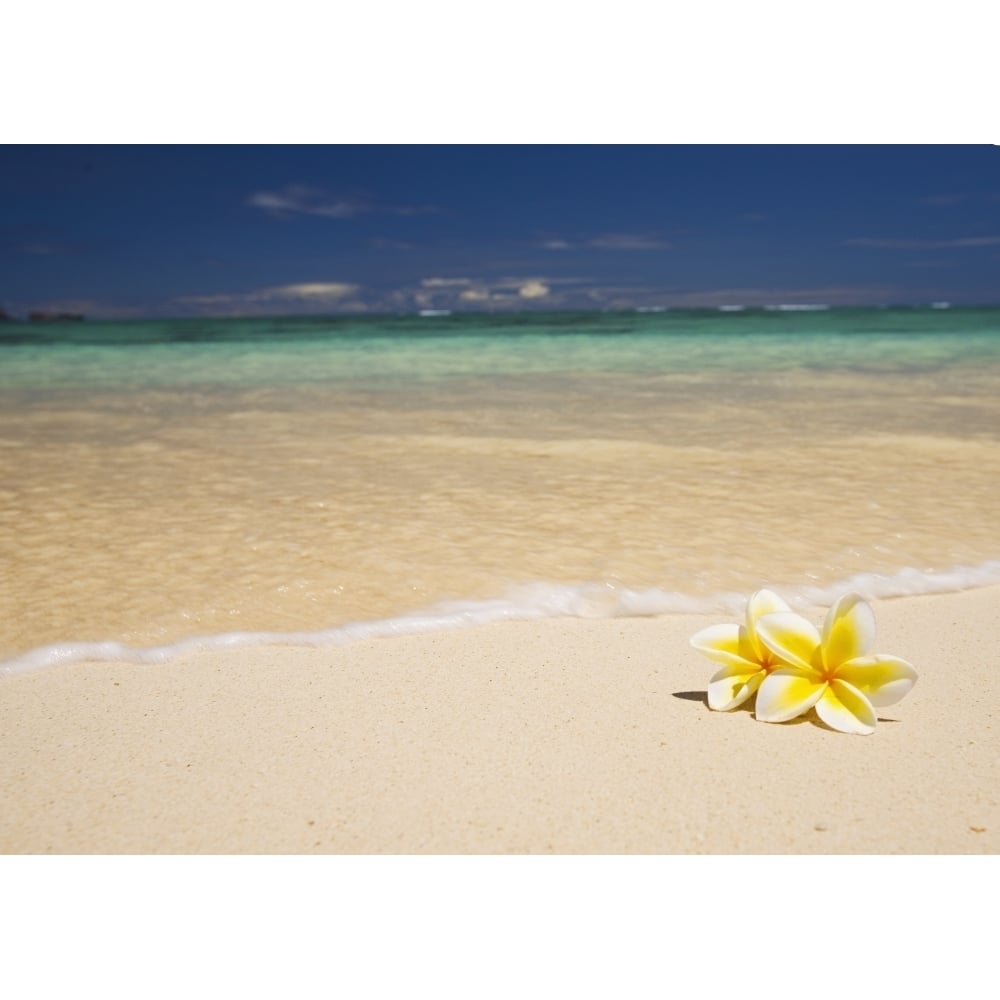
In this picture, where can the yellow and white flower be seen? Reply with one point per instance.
(745, 660)
(830, 671)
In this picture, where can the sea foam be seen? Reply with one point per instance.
(525, 603)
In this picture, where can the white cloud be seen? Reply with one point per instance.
(609, 241)
(300, 199)
(508, 290)
(891, 244)
(533, 290)
(310, 291)
(446, 282)
(627, 241)
(297, 199)
(340, 295)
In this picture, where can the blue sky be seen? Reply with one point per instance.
(247, 230)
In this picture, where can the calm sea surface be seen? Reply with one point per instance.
(166, 479)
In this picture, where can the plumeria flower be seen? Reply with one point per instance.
(830, 671)
(745, 660)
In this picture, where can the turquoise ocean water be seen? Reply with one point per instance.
(323, 478)
(391, 351)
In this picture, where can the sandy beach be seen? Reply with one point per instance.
(556, 736)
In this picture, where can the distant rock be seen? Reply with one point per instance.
(55, 317)
(4, 318)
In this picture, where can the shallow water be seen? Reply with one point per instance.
(164, 480)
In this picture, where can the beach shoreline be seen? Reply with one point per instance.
(566, 736)
(162, 480)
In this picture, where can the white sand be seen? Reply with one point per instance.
(561, 736)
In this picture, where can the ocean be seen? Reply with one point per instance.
(169, 484)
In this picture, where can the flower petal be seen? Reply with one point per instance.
(790, 637)
(728, 645)
(844, 708)
(787, 693)
(731, 687)
(849, 630)
(764, 602)
(883, 680)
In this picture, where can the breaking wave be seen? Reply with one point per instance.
(524, 603)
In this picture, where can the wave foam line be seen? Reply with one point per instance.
(533, 601)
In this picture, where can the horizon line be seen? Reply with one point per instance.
(42, 317)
